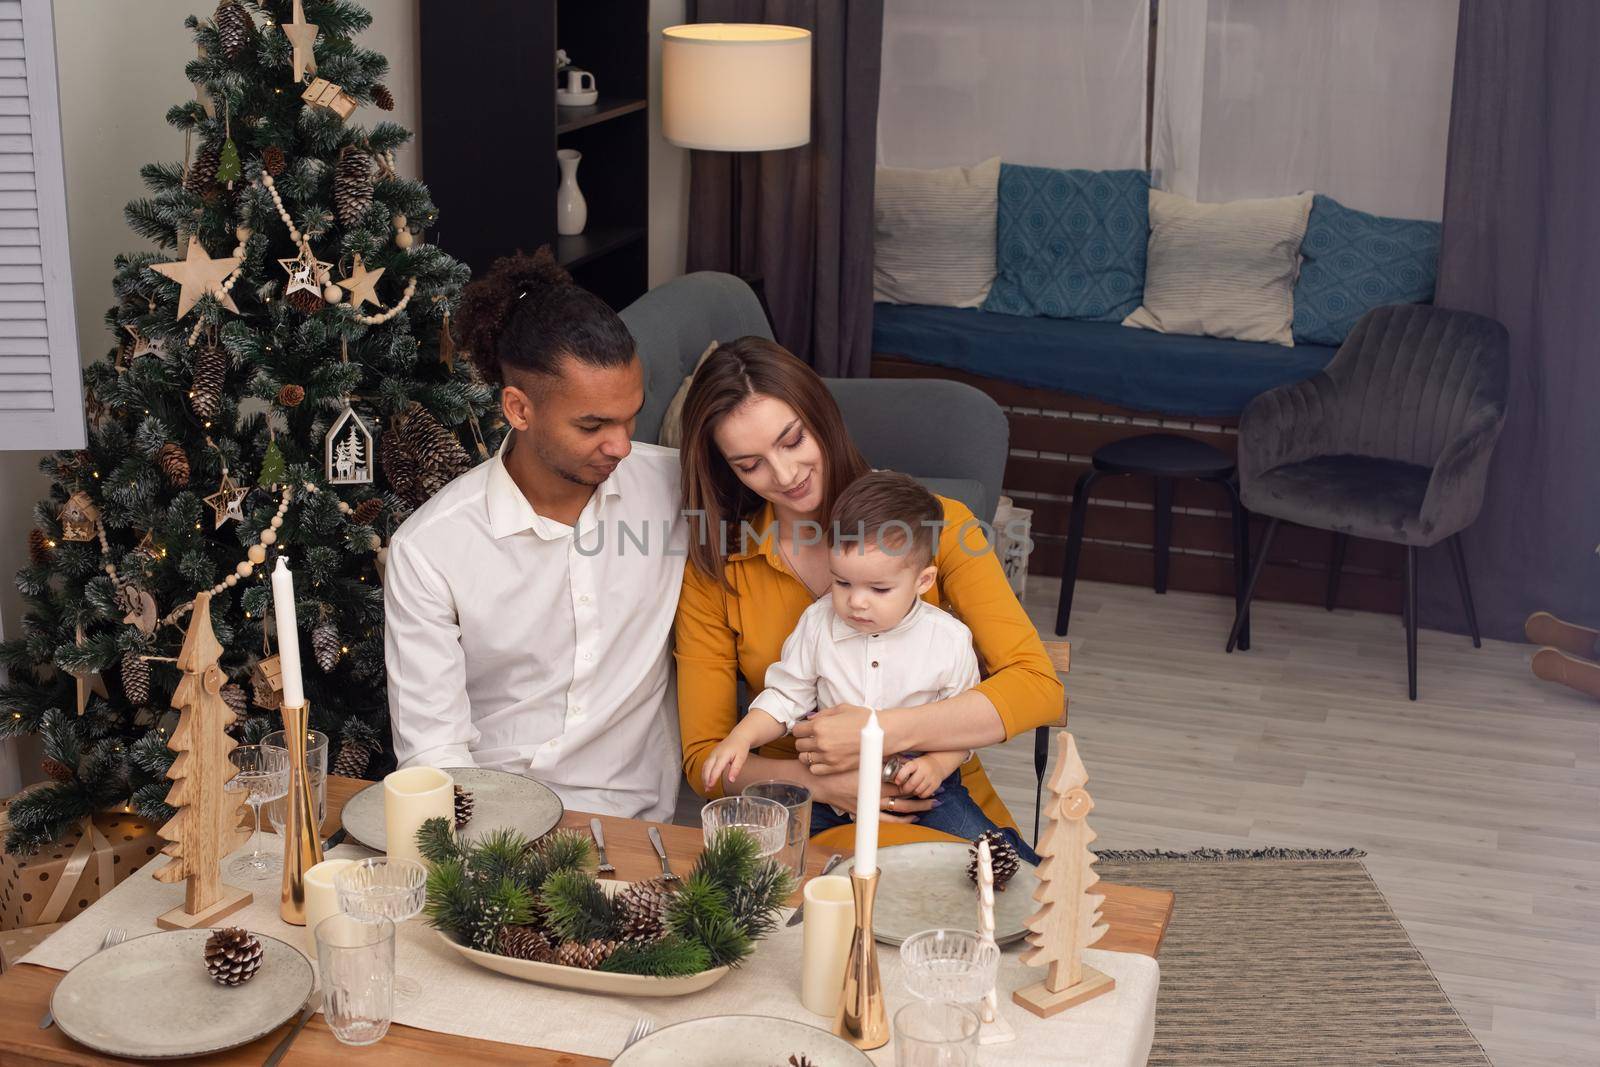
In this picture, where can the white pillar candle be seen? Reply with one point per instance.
(322, 899)
(410, 798)
(294, 693)
(869, 794)
(825, 950)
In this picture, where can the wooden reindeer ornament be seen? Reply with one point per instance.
(209, 822)
(1068, 920)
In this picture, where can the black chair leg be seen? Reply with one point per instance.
(1411, 619)
(1069, 570)
(1335, 568)
(1242, 616)
(1241, 554)
(1041, 757)
(1458, 557)
(1163, 531)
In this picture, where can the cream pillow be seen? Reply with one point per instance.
(671, 434)
(1223, 270)
(933, 234)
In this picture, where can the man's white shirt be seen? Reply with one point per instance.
(517, 642)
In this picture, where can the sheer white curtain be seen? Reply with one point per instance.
(1057, 83)
(1272, 97)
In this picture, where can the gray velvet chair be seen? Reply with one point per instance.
(1391, 441)
(949, 436)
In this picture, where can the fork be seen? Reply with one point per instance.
(661, 853)
(641, 1030)
(114, 936)
(600, 843)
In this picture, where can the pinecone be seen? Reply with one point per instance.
(56, 771)
(233, 696)
(367, 512)
(352, 185)
(464, 810)
(644, 909)
(174, 464)
(306, 302)
(205, 394)
(437, 451)
(586, 955)
(291, 395)
(38, 547)
(136, 678)
(202, 173)
(400, 468)
(382, 97)
(233, 955)
(325, 645)
(525, 943)
(234, 27)
(352, 760)
(273, 160)
(1003, 859)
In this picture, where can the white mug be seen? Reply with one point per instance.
(579, 81)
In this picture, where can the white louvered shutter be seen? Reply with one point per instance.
(41, 400)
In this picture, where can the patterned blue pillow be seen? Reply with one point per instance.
(1070, 244)
(1352, 262)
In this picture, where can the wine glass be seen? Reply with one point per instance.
(951, 966)
(385, 888)
(263, 776)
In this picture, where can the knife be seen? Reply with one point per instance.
(288, 1039)
(800, 913)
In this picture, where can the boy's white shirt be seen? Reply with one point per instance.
(927, 656)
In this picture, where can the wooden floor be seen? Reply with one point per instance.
(1477, 804)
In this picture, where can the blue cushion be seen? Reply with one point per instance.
(1354, 262)
(1070, 244)
(1162, 373)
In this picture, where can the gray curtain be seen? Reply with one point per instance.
(1521, 242)
(807, 219)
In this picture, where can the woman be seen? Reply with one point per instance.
(765, 454)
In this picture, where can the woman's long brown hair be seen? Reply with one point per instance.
(732, 374)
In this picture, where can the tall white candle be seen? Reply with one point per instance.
(294, 693)
(869, 795)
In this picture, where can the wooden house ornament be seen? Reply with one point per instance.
(324, 94)
(80, 519)
(266, 683)
(348, 457)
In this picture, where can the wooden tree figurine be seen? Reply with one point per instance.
(1069, 919)
(209, 822)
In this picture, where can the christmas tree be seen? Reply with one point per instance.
(282, 382)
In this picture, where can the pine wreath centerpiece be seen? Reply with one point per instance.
(233, 955)
(541, 901)
(1003, 859)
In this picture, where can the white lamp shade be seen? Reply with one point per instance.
(733, 87)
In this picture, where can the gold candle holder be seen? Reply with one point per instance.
(863, 1020)
(302, 837)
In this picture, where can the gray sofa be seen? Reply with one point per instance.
(947, 435)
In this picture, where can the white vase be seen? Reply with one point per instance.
(572, 211)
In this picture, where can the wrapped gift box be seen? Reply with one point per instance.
(32, 889)
(15, 944)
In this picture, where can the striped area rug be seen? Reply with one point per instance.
(1289, 957)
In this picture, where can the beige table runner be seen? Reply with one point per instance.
(1111, 1031)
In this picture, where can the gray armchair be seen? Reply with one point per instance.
(949, 436)
(1391, 441)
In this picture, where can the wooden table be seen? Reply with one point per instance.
(1137, 919)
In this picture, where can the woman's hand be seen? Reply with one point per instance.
(830, 741)
(895, 805)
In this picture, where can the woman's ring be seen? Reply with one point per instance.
(891, 803)
(808, 758)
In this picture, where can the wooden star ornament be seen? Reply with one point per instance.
(199, 275)
(228, 501)
(362, 284)
(89, 682)
(305, 271)
(303, 35)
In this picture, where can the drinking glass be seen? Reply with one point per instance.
(355, 958)
(928, 1033)
(796, 800)
(765, 820)
(956, 966)
(316, 770)
(387, 889)
(263, 775)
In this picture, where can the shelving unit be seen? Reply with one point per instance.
(490, 130)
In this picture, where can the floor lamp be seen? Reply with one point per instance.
(736, 87)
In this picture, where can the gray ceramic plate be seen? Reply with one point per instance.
(924, 886)
(151, 998)
(740, 1041)
(499, 799)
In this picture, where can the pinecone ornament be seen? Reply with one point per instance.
(273, 161)
(399, 467)
(585, 955)
(325, 645)
(352, 760)
(56, 771)
(234, 696)
(174, 464)
(352, 185)
(525, 943)
(382, 97)
(291, 395)
(202, 172)
(234, 28)
(367, 512)
(136, 678)
(464, 810)
(205, 394)
(1003, 859)
(644, 907)
(233, 955)
(437, 451)
(38, 547)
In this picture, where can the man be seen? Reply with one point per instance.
(529, 604)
